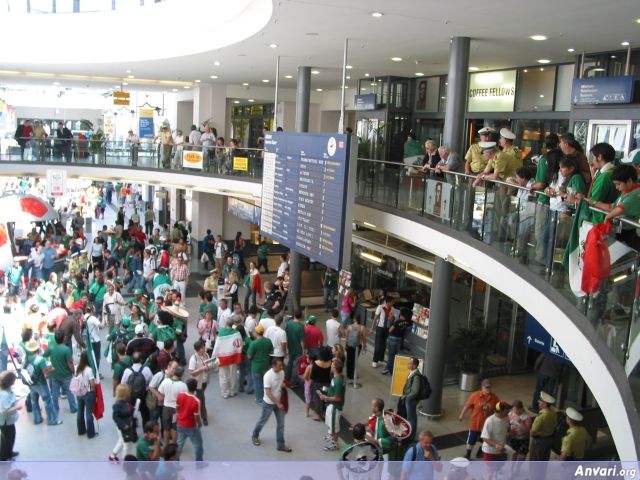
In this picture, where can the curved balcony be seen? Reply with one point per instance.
(485, 230)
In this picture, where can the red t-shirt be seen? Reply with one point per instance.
(187, 407)
(313, 337)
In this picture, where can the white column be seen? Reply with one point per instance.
(210, 101)
(207, 211)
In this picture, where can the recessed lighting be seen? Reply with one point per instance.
(349, 67)
(56, 83)
(273, 45)
(473, 69)
(538, 38)
(373, 84)
(377, 14)
(245, 84)
(419, 74)
(541, 96)
(174, 89)
(251, 100)
(396, 59)
(214, 77)
(599, 69)
(197, 81)
(216, 63)
(265, 81)
(186, 87)
(366, 74)
(288, 76)
(125, 83)
(346, 86)
(236, 101)
(613, 56)
(525, 70)
(443, 98)
(130, 76)
(348, 77)
(637, 20)
(315, 72)
(128, 71)
(571, 50)
(542, 69)
(626, 43)
(318, 89)
(544, 60)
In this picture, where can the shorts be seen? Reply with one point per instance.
(473, 437)
(14, 289)
(332, 419)
(520, 445)
(168, 422)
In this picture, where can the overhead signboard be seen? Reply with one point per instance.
(145, 122)
(126, 95)
(537, 338)
(303, 193)
(602, 90)
(121, 98)
(492, 91)
(366, 102)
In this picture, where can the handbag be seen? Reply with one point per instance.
(130, 435)
(284, 399)
(204, 258)
(151, 401)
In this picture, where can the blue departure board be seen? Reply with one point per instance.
(303, 186)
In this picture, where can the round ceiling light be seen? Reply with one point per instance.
(396, 59)
(473, 69)
(544, 60)
(377, 14)
(288, 76)
(419, 74)
(538, 38)
(571, 50)
(265, 80)
(273, 45)
(215, 77)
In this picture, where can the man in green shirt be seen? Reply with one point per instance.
(263, 253)
(295, 346)
(603, 191)
(148, 446)
(122, 362)
(329, 285)
(259, 355)
(59, 379)
(335, 400)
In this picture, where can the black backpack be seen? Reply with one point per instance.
(138, 383)
(425, 387)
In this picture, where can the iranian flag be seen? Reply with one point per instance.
(228, 347)
(579, 257)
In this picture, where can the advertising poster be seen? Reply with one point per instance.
(420, 318)
(145, 123)
(241, 164)
(192, 159)
(344, 282)
(56, 183)
(438, 199)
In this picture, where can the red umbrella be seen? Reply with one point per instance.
(27, 208)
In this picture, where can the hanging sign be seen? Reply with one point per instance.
(56, 183)
(492, 91)
(145, 123)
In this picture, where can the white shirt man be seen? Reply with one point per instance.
(267, 322)
(278, 338)
(207, 139)
(93, 325)
(224, 312)
(281, 269)
(194, 137)
(36, 257)
(273, 380)
(250, 324)
(333, 331)
(132, 138)
(170, 388)
(495, 431)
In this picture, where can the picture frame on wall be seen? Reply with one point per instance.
(421, 95)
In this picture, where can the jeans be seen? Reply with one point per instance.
(267, 409)
(291, 370)
(42, 390)
(329, 295)
(137, 281)
(242, 374)
(182, 359)
(84, 418)
(96, 351)
(412, 415)
(258, 385)
(193, 434)
(393, 345)
(380, 344)
(250, 295)
(345, 319)
(56, 387)
(4, 356)
(8, 440)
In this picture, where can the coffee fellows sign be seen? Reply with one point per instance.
(492, 91)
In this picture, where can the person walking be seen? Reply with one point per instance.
(199, 366)
(335, 403)
(84, 418)
(382, 320)
(9, 408)
(482, 405)
(188, 419)
(295, 347)
(272, 402)
(38, 368)
(59, 379)
(125, 424)
(259, 355)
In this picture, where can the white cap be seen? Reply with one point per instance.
(574, 415)
(487, 145)
(508, 134)
(485, 130)
(139, 329)
(545, 397)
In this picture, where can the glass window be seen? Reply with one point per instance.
(564, 87)
(443, 94)
(535, 93)
(530, 135)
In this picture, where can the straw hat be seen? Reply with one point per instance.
(177, 311)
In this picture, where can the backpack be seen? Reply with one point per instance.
(78, 386)
(425, 387)
(137, 382)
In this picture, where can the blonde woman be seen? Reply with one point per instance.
(123, 418)
(231, 287)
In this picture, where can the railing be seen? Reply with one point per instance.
(237, 162)
(517, 226)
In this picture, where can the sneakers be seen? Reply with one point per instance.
(374, 364)
(255, 441)
(332, 447)
(385, 372)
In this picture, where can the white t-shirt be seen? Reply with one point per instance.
(496, 429)
(333, 330)
(170, 389)
(277, 336)
(250, 326)
(283, 266)
(87, 376)
(223, 315)
(382, 316)
(273, 381)
(157, 379)
(93, 325)
(266, 323)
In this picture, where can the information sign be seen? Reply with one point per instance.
(192, 159)
(537, 338)
(145, 123)
(241, 164)
(366, 102)
(303, 193)
(602, 90)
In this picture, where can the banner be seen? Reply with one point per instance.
(109, 125)
(438, 199)
(241, 164)
(56, 183)
(145, 123)
(228, 349)
(192, 159)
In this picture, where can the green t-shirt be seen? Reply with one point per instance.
(120, 366)
(295, 335)
(160, 279)
(542, 176)
(337, 389)
(259, 351)
(38, 364)
(603, 190)
(98, 290)
(164, 333)
(245, 344)
(263, 251)
(576, 182)
(209, 307)
(630, 203)
(143, 449)
(59, 355)
(330, 279)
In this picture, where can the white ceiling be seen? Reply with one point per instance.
(416, 30)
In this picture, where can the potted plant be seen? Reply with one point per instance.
(471, 344)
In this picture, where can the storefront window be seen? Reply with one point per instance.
(535, 93)
(530, 135)
(564, 87)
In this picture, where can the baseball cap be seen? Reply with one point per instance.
(503, 407)
(139, 329)
(311, 320)
(259, 329)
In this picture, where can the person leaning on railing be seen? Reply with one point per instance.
(475, 161)
(133, 142)
(602, 190)
(39, 136)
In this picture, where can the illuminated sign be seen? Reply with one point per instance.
(492, 91)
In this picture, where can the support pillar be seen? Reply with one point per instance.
(458, 80)
(436, 352)
(303, 95)
(209, 102)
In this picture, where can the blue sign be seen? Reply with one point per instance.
(145, 127)
(537, 338)
(304, 181)
(366, 102)
(602, 90)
